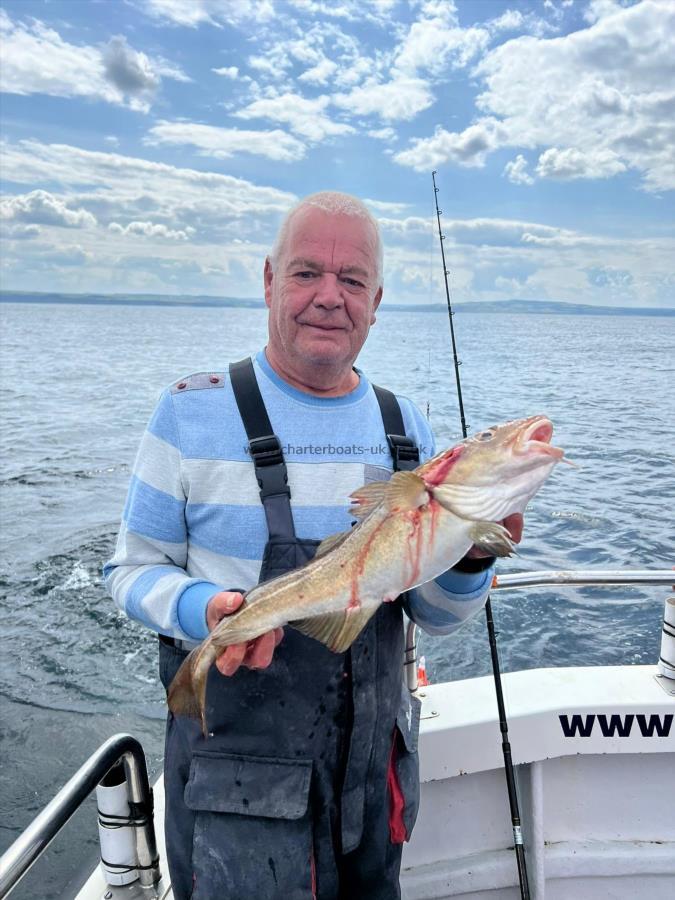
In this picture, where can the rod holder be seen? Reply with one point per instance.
(116, 829)
(667, 655)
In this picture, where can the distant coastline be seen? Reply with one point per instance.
(551, 307)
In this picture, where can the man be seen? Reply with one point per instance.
(306, 784)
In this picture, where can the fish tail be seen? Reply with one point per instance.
(187, 691)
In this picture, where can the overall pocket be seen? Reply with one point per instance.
(253, 827)
(403, 778)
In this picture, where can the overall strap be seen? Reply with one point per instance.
(403, 449)
(265, 449)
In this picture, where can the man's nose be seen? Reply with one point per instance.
(329, 291)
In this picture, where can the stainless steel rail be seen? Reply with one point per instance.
(584, 578)
(18, 859)
(560, 578)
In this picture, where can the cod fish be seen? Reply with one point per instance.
(410, 529)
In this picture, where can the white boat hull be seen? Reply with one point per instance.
(598, 812)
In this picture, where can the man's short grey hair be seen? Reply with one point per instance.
(330, 202)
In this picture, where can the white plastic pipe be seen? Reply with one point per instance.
(667, 659)
(118, 841)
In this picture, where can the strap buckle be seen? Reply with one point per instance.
(270, 469)
(403, 448)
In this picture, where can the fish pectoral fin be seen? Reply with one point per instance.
(331, 542)
(493, 538)
(367, 498)
(339, 630)
(406, 490)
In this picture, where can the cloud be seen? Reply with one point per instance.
(21, 232)
(42, 208)
(616, 113)
(211, 209)
(216, 13)
(46, 258)
(386, 206)
(36, 60)
(182, 217)
(572, 163)
(401, 98)
(467, 148)
(230, 224)
(510, 20)
(516, 171)
(222, 143)
(489, 232)
(151, 229)
(435, 43)
(409, 225)
(383, 134)
(320, 73)
(604, 276)
(192, 13)
(127, 69)
(227, 71)
(324, 52)
(305, 117)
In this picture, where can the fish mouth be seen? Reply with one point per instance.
(536, 438)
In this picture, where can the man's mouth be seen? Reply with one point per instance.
(322, 327)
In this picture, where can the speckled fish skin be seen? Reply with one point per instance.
(411, 529)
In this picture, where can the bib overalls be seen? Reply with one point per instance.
(308, 781)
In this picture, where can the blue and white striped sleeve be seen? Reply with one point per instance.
(442, 605)
(146, 577)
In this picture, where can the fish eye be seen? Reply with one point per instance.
(485, 435)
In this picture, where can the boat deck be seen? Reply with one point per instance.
(598, 811)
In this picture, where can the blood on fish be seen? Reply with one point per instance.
(413, 547)
(359, 567)
(415, 542)
(437, 475)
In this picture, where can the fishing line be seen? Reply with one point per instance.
(494, 654)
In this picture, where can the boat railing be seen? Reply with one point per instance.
(27, 848)
(555, 578)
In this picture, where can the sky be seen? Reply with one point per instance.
(153, 146)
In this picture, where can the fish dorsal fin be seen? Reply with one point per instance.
(406, 491)
(366, 498)
(331, 542)
(339, 630)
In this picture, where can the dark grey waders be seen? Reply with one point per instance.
(308, 781)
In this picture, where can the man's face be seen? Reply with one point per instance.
(323, 294)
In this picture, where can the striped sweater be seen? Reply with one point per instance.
(193, 523)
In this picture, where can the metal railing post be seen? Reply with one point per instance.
(26, 849)
(410, 659)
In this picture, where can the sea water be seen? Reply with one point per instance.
(79, 384)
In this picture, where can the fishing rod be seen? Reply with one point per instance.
(518, 845)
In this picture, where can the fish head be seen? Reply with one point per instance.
(496, 472)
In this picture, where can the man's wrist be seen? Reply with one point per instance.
(473, 565)
(191, 609)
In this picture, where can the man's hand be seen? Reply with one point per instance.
(513, 524)
(256, 654)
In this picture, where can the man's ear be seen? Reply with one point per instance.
(376, 303)
(267, 277)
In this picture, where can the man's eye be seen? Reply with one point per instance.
(305, 276)
(352, 282)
